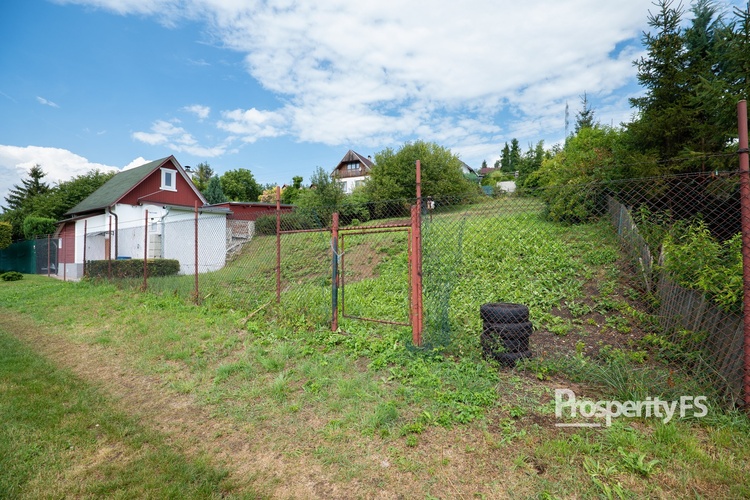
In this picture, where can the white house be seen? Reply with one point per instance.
(145, 212)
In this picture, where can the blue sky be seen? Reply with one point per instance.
(281, 87)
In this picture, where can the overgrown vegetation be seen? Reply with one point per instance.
(697, 260)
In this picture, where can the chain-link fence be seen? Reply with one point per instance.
(633, 284)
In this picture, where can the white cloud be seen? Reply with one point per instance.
(201, 112)
(59, 165)
(44, 101)
(380, 72)
(164, 133)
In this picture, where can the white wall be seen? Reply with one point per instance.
(178, 240)
(175, 226)
(350, 182)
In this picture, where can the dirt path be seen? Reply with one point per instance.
(182, 420)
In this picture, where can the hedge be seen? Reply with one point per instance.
(290, 221)
(132, 268)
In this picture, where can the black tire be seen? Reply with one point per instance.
(502, 343)
(511, 358)
(508, 329)
(504, 312)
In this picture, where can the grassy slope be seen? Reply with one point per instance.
(352, 402)
(62, 438)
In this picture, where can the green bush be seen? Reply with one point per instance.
(11, 276)
(34, 226)
(290, 221)
(696, 260)
(132, 268)
(6, 234)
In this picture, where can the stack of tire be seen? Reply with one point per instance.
(506, 330)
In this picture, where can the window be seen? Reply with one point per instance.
(352, 166)
(168, 179)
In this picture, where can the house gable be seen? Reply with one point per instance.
(143, 184)
(352, 164)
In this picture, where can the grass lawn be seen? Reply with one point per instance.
(290, 409)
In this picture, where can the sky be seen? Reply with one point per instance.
(281, 87)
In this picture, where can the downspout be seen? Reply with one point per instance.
(163, 233)
(117, 240)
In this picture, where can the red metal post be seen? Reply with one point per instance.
(48, 252)
(85, 230)
(278, 244)
(145, 251)
(417, 312)
(196, 252)
(335, 272)
(745, 208)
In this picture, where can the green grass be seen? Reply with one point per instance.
(61, 438)
(373, 413)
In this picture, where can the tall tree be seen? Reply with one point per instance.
(585, 117)
(664, 115)
(202, 176)
(30, 187)
(515, 155)
(214, 193)
(20, 198)
(240, 185)
(505, 158)
(394, 175)
(730, 81)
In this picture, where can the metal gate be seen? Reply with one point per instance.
(412, 228)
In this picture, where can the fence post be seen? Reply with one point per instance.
(335, 272)
(278, 244)
(48, 253)
(145, 252)
(745, 208)
(416, 263)
(196, 252)
(85, 230)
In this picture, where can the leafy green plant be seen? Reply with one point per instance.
(636, 462)
(11, 276)
(696, 260)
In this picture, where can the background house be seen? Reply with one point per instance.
(352, 170)
(113, 220)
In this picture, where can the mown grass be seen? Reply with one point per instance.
(61, 438)
(443, 422)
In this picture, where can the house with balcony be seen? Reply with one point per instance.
(352, 171)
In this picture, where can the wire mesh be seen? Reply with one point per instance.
(635, 285)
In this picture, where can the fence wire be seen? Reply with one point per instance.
(634, 285)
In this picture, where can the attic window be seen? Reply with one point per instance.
(168, 180)
(352, 166)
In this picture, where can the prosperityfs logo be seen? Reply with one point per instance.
(567, 405)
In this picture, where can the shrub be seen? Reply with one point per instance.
(34, 226)
(6, 234)
(290, 221)
(695, 259)
(132, 268)
(11, 276)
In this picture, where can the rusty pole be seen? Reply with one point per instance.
(278, 244)
(745, 207)
(145, 252)
(196, 252)
(335, 272)
(417, 324)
